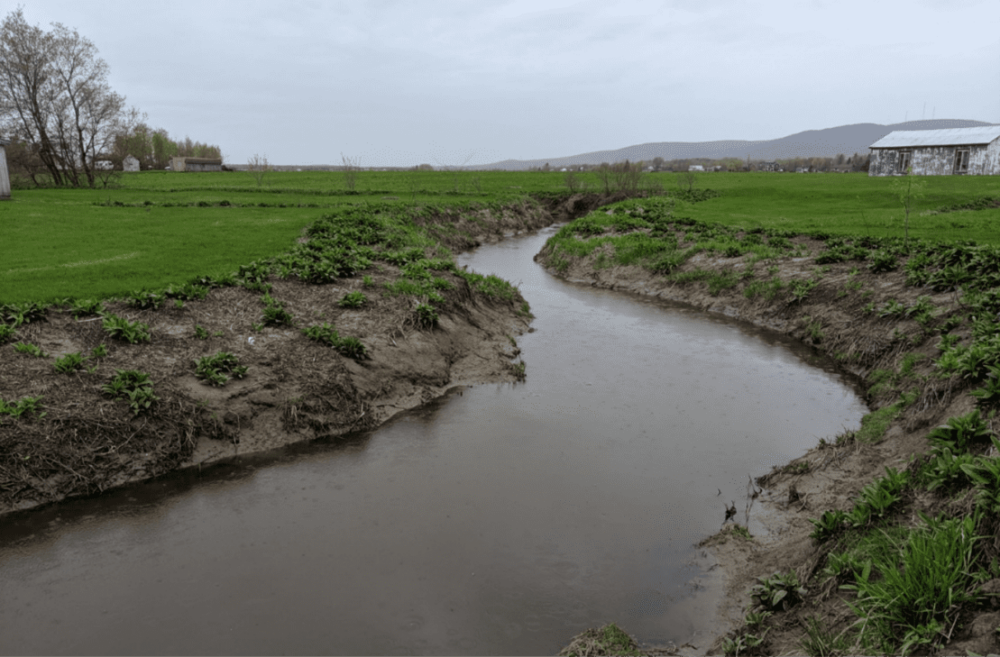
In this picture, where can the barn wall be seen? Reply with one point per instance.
(937, 160)
(197, 166)
(883, 162)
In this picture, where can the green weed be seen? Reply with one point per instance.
(134, 386)
(29, 349)
(778, 592)
(214, 369)
(22, 406)
(352, 300)
(347, 346)
(120, 328)
(69, 363)
(427, 317)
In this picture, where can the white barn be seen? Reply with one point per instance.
(952, 151)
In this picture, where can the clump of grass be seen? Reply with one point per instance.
(201, 332)
(911, 587)
(214, 369)
(134, 386)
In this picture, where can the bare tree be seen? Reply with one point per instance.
(258, 166)
(351, 166)
(686, 178)
(54, 94)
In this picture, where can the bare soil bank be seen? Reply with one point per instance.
(296, 389)
(835, 318)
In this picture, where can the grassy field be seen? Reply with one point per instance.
(159, 228)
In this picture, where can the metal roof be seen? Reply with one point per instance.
(947, 137)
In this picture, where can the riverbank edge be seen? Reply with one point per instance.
(197, 425)
(834, 318)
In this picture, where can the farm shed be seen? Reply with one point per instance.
(130, 163)
(195, 164)
(953, 151)
(4, 175)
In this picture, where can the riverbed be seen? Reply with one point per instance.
(499, 519)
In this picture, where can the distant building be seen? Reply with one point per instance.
(696, 167)
(952, 151)
(195, 164)
(4, 175)
(130, 163)
(768, 166)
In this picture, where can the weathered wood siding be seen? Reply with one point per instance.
(937, 160)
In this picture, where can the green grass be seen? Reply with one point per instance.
(162, 229)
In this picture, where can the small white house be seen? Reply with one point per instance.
(130, 163)
(696, 167)
(952, 151)
(4, 174)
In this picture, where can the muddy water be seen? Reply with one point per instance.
(501, 519)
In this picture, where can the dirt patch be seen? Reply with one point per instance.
(887, 354)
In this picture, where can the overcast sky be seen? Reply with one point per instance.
(447, 83)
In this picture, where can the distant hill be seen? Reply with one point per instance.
(846, 139)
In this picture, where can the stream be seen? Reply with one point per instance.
(500, 519)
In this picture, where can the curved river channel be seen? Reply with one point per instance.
(502, 520)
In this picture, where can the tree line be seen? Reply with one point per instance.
(840, 163)
(65, 125)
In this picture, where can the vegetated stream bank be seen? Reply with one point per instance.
(500, 520)
(898, 518)
(365, 317)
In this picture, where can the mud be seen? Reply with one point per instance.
(296, 389)
(829, 476)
